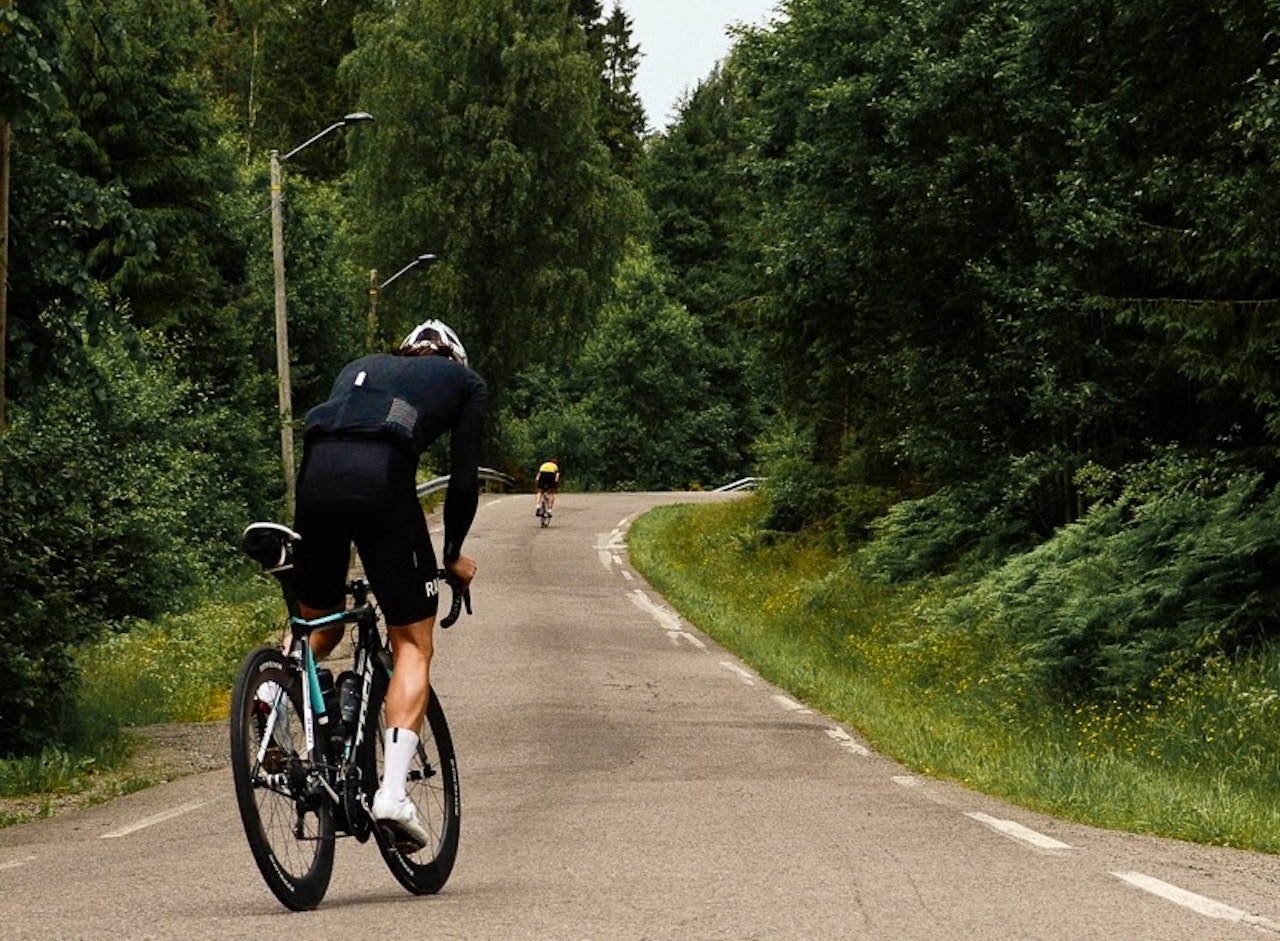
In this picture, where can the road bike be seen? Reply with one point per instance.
(543, 512)
(306, 751)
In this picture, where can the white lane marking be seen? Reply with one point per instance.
(667, 620)
(627, 575)
(14, 864)
(156, 818)
(791, 705)
(743, 675)
(847, 743)
(608, 545)
(1208, 907)
(907, 780)
(614, 540)
(1017, 831)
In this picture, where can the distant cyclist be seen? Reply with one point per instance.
(548, 482)
(358, 485)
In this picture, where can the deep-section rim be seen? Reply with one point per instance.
(437, 797)
(296, 870)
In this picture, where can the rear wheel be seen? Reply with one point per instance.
(432, 786)
(287, 819)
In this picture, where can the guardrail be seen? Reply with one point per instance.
(488, 474)
(745, 483)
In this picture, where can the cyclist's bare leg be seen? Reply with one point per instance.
(412, 647)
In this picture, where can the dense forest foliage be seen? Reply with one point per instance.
(985, 288)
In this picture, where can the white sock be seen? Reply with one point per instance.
(401, 746)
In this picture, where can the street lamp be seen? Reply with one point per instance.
(282, 326)
(375, 288)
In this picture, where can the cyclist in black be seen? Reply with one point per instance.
(358, 485)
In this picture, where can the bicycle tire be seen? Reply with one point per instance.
(433, 788)
(290, 833)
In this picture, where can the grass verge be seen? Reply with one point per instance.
(950, 696)
(179, 668)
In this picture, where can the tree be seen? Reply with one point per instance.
(622, 118)
(641, 406)
(695, 179)
(25, 85)
(276, 65)
(486, 152)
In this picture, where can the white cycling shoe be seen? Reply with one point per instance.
(399, 820)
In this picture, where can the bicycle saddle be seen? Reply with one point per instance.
(270, 545)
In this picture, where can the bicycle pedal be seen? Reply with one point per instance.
(400, 839)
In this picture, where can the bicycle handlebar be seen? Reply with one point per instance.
(460, 597)
(359, 591)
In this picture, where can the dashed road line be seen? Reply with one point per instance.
(666, 619)
(846, 741)
(15, 863)
(1016, 831)
(743, 675)
(155, 819)
(1200, 904)
(791, 705)
(608, 545)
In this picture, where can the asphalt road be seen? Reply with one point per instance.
(623, 777)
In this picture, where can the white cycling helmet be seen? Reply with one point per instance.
(433, 338)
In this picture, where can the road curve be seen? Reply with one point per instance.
(623, 777)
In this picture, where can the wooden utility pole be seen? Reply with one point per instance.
(283, 383)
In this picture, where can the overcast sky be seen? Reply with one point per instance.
(680, 41)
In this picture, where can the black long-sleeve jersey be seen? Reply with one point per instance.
(412, 401)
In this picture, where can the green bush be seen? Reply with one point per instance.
(115, 504)
(1181, 568)
(919, 537)
(797, 489)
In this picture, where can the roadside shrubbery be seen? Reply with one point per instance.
(112, 508)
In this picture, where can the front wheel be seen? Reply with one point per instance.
(432, 786)
(287, 819)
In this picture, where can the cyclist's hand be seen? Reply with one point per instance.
(464, 569)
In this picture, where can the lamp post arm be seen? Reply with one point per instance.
(356, 117)
(417, 261)
(305, 144)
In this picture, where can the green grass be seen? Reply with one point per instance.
(931, 680)
(179, 668)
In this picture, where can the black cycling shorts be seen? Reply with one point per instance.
(364, 492)
(546, 480)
